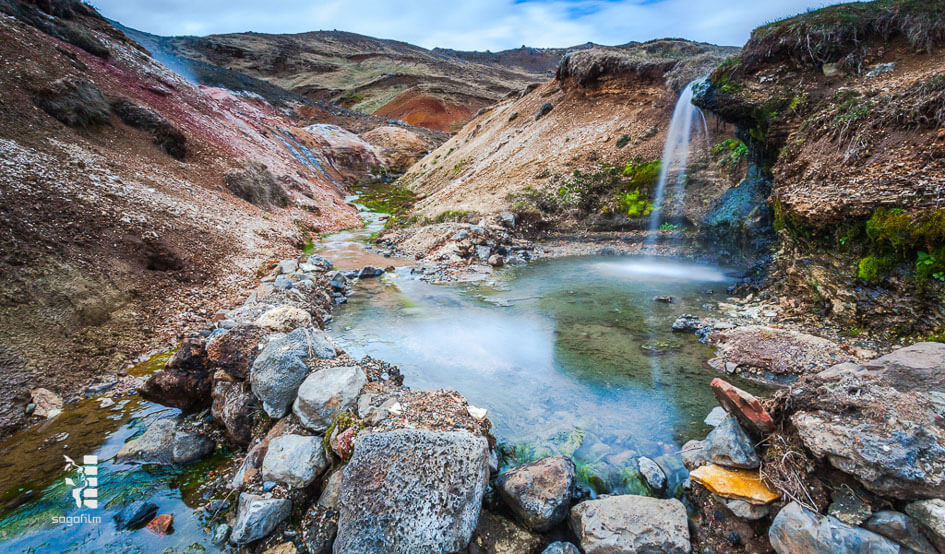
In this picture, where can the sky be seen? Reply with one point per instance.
(465, 25)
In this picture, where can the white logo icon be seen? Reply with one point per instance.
(85, 493)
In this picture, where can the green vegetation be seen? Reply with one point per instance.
(895, 237)
(872, 267)
(634, 204)
(642, 174)
(669, 226)
(737, 151)
(388, 198)
(342, 422)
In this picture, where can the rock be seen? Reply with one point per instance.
(255, 184)
(830, 69)
(746, 510)
(891, 442)
(715, 416)
(631, 523)
(544, 110)
(161, 524)
(288, 266)
(693, 455)
(745, 407)
(497, 535)
(652, 473)
(507, 219)
(539, 493)
(281, 367)
(135, 515)
(559, 547)
(235, 350)
(478, 413)
(496, 260)
(728, 445)
(410, 490)
(778, 352)
(663, 299)
(285, 318)
(342, 444)
(738, 484)
(220, 533)
(881, 68)
(74, 102)
(186, 390)
(163, 443)
(294, 460)
(233, 407)
(331, 491)
(898, 527)
(326, 393)
(399, 148)
(257, 516)
(46, 403)
(370, 271)
(687, 323)
(931, 515)
(339, 282)
(920, 367)
(848, 507)
(284, 548)
(319, 528)
(191, 355)
(796, 530)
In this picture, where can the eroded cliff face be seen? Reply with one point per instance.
(843, 110)
(134, 203)
(572, 148)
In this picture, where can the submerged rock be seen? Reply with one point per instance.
(899, 527)
(652, 473)
(559, 547)
(135, 515)
(257, 516)
(497, 535)
(46, 403)
(631, 523)
(410, 490)
(796, 530)
(728, 445)
(539, 493)
(163, 443)
(281, 367)
(294, 460)
(326, 393)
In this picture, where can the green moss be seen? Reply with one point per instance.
(389, 198)
(872, 268)
(642, 174)
(635, 204)
(342, 422)
(736, 149)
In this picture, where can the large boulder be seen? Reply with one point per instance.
(185, 382)
(233, 407)
(728, 445)
(891, 441)
(920, 366)
(257, 516)
(235, 350)
(326, 393)
(294, 460)
(775, 353)
(631, 523)
(796, 530)
(164, 443)
(281, 367)
(412, 490)
(899, 527)
(284, 318)
(931, 514)
(539, 493)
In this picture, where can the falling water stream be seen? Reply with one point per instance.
(675, 161)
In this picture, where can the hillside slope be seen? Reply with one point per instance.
(843, 109)
(605, 108)
(437, 89)
(134, 203)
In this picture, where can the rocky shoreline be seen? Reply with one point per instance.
(336, 454)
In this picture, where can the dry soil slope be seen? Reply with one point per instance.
(608, 105)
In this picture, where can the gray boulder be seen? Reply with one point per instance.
(412, 490)
(745, 510)
(331, 491)
(931, 514)
(796, 530)
(257, 516)
(694, 454)
(326, 393)
(899, 527)
(652, 473)
(920, 366)
(631, 523)
(728, 445)
(281, 367)
(163, 443)
(294, 460)
(539, 493)
(233, 407)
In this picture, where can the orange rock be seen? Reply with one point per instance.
(161, 524)
(740, 484)
(744, 406)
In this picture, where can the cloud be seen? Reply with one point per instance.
(476, 25)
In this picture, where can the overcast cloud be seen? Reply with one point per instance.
(469, 25)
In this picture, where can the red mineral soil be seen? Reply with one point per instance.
(422, 110)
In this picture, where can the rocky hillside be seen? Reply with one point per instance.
(575, 147)
(438, 89)
(842, 110)
(130, 195)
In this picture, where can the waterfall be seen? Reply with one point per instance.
(676, 157)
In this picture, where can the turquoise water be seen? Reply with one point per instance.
(569, 356)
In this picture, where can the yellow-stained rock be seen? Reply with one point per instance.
(741, 484)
